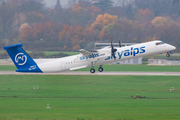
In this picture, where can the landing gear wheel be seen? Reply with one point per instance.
(100, 69)
(92, 71)
(168, 55)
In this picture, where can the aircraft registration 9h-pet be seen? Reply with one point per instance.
(86, 58)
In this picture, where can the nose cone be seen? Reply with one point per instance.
(170, 47)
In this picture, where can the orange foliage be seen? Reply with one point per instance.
(73, 35)
(144, 14)
(23, 26)
(161, 21)
(37, 31)
(90, 34)
(103, 20)
(103, 35)
(38, 14)
(26, 33)
(94, 9)
(65, 33)
(77, 8)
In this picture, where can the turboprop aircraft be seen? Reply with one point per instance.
(86, 58)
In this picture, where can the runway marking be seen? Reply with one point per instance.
(97, 73)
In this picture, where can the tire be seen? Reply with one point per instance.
(168, 55)
(100, 69)
(92, 71)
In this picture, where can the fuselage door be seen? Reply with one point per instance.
(63, 65)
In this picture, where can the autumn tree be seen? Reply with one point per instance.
(90, 34)
(103, 20)
(72, 36)
(161, 21)
(77, 8)
(167, 33)
(144, 15)
(124, 30)
(47, 31)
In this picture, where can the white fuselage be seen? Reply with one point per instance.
(103, 56)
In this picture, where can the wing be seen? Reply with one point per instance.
(87, 52)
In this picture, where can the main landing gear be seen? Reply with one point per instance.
(100, 69)
(168, 54)
(92, 70)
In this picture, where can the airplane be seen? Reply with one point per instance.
(86, 58)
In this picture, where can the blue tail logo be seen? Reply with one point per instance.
(21, 59)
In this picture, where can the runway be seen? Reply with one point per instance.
(97, 73)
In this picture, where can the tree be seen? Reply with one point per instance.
(7, 18)
(77, 8)
(175, 7)
(175, 2)
(103, 20)
(162, 21)
(104, 4)
(167, 33)
(90, 34)
(144, 15)
(71, 3)
(124, 30)
(158, 7)
(71, 36)
(48, 31)
(31, 5)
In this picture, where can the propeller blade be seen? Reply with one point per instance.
(112, 45)
(113, 50)
(120, 43)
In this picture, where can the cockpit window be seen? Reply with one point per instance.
(160, 43)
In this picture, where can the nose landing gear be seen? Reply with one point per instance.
(168, 54)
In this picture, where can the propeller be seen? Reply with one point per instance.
(113, 51)
(120, 43)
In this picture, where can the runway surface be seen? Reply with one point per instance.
(97, 73)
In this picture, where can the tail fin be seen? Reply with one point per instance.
(21, 59)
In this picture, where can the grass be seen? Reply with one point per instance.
(117, 68)
(142, 68)
(7, 68)
(89, 97)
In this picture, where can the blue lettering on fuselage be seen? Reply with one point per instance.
(130, 52)
(89, 57)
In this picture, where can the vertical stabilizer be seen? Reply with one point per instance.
(21, 59)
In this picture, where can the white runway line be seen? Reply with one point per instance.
(97, 73)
